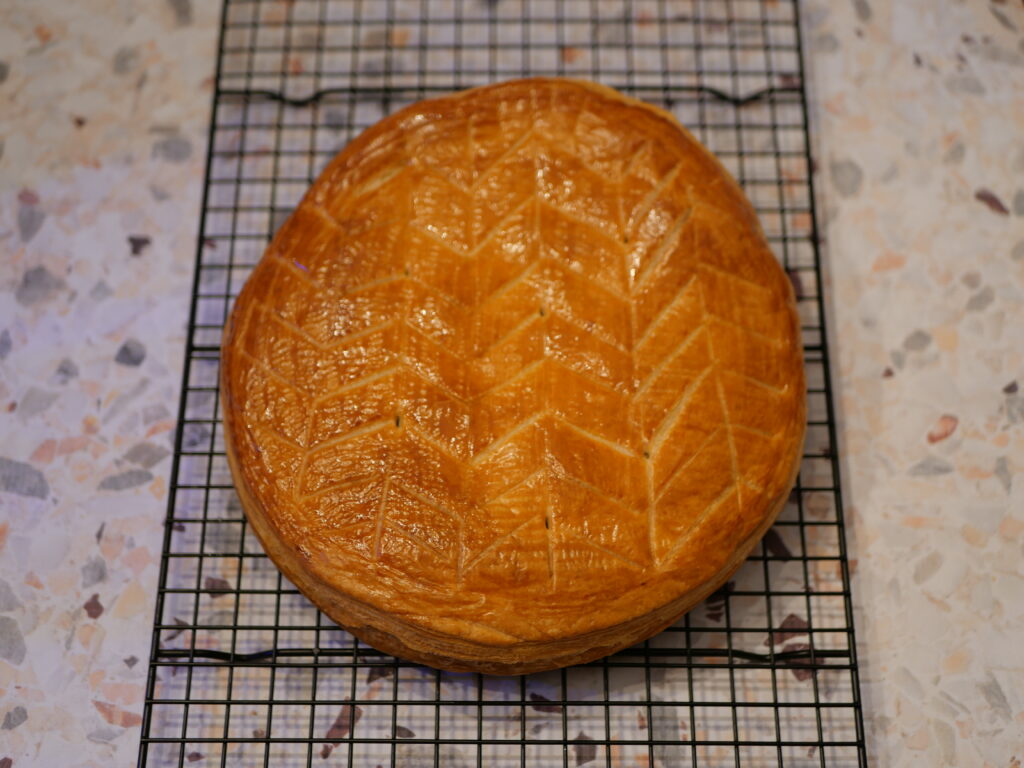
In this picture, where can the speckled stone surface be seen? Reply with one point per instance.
(103, 111)
(919, 129)
(920, 134)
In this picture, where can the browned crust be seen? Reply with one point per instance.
(464, 646)
(461, 654)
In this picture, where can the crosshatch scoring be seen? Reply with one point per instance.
(762, 674)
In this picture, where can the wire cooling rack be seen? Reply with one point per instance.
(244, 671)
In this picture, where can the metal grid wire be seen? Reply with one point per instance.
(245, 671)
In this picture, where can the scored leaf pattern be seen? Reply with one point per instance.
(535, 341)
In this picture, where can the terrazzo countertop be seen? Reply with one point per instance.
(918, 115)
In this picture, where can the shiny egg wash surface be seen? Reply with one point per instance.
(519, 377)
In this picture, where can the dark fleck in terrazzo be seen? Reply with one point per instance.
(22, 479)
(131, 353)
(991, 201)
(13, 718)
(38, 284)
(123, 480)
(139, 243)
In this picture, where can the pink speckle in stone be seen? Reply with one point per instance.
(945, 427)
(116, 715)
(45, 452)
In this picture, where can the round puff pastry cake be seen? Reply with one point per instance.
(518, 383)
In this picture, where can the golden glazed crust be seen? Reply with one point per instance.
(518, 383)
